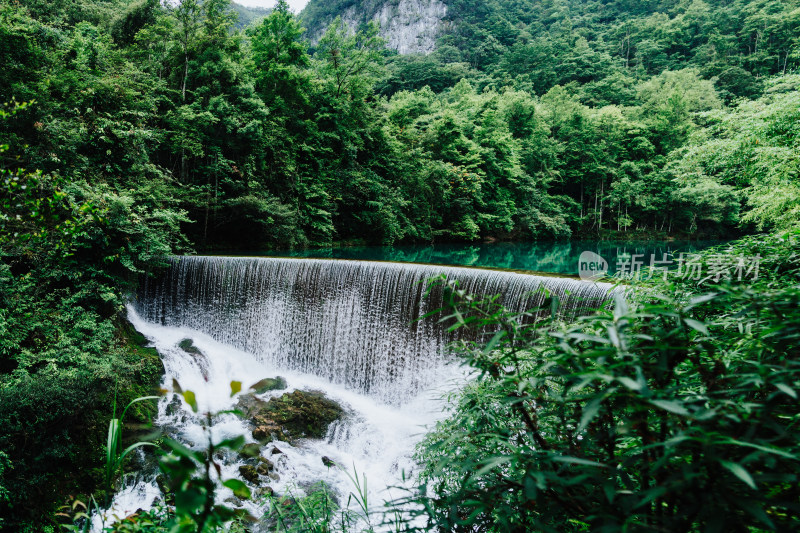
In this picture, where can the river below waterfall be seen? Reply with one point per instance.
(374, 439)
(349, 329)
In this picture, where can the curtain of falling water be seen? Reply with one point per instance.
(351, 322)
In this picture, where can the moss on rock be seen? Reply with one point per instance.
(304, 414)
(269, 384)
(187, 345)
(292, 416)
(249, 473)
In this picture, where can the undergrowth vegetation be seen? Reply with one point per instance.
(674, 411)
(68, 252)
(193, 478)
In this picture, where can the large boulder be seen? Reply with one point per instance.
(294, 415)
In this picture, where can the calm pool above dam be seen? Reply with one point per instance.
(544, 257)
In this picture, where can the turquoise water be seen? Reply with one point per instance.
(555, 258)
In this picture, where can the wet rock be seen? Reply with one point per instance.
(199, 357)
(304, 414)
(264, 491)
(327, 461)
(275, 451)
(265, 466)
(274, 477)
(174, 406)
(292, 416)
(250, 450)
(143, 461)
(250, 405)
(269, 384)
(187, 345)
(249, 473)
(253, 472)
(267, 429)
(233, 500)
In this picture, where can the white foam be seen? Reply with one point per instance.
(375, 440)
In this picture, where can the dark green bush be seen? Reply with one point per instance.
(67, 254)
(661, 415)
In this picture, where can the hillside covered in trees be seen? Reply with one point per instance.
(531, 119)
(133, 129)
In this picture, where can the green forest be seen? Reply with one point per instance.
(131, 130)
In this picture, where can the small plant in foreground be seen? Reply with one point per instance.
(318, 512)
(192, 477)
(114, 454)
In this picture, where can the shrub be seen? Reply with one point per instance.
(666, 414)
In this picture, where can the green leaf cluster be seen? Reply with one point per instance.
(675, 410)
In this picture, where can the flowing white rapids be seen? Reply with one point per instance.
(346, 328)
(376, 438)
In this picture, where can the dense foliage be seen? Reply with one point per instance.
(599, 48)
(132, 129)
(265, 141)
(676, 411)
(617, 90)
(67, 252)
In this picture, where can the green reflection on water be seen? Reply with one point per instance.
(557, 258)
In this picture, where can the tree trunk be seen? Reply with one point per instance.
(600, 218)
(185, 75)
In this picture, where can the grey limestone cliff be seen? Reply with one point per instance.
(409, 26)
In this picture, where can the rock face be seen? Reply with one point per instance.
(412, 26)
(294, 415)
(409, 26)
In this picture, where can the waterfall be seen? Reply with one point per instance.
(353, 323)
(346, 328)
